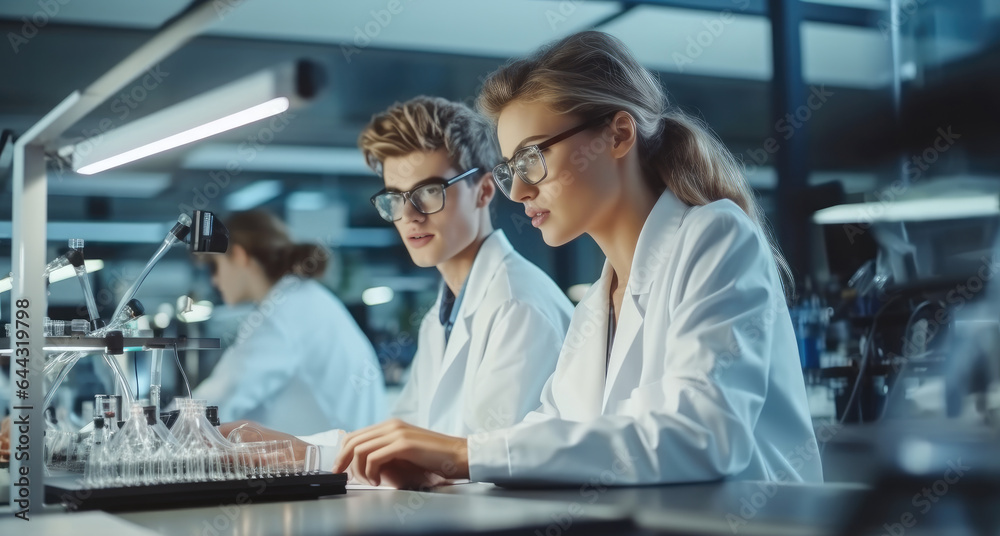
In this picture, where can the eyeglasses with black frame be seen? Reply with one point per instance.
(428, 197)
(528, 163)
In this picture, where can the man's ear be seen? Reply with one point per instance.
(487, 189)
(624, 134)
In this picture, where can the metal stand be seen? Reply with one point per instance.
(28, 299)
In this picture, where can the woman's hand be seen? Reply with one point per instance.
(403, 456)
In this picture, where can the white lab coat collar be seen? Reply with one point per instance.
(653, 248)
(488, 260)
(655, 240)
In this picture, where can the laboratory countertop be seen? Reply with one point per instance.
(710, 508)
(731, 507)
(386, 511)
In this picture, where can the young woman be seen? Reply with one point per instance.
(299, 361)
(680, 364)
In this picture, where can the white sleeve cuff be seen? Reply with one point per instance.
(489, 456)
(328, 443)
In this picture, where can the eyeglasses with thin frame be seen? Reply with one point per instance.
(428, 197)
(528, 163)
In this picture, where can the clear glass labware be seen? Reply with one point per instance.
(96, 473)
(132, 448)
(202, 453)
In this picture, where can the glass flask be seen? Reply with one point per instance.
(96, 473)
(201, 452)
(132, 447)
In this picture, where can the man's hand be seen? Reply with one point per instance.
(403, 456)
(5, 440)
(251, 431)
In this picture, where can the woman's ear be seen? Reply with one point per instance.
(624, 134)
(487, 189)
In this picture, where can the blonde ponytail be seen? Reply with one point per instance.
(698, 168)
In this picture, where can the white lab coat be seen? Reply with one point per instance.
(704, 380)
(503, 347)
(300, 364)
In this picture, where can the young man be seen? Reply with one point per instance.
(490, 342)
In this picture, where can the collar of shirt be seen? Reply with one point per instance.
(450, 305)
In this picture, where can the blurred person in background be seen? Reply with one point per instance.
(299, 361)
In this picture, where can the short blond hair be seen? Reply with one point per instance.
(428, 124)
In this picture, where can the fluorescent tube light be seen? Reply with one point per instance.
(65, 272)
(377, 296)
(946, 208)
(255, 97)
(137, 185)
(576, 293)
(161, 320)
(306, 201)
(238, 119)
(89, 349)
(253, 195)
(99, 231)
(279, 158)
